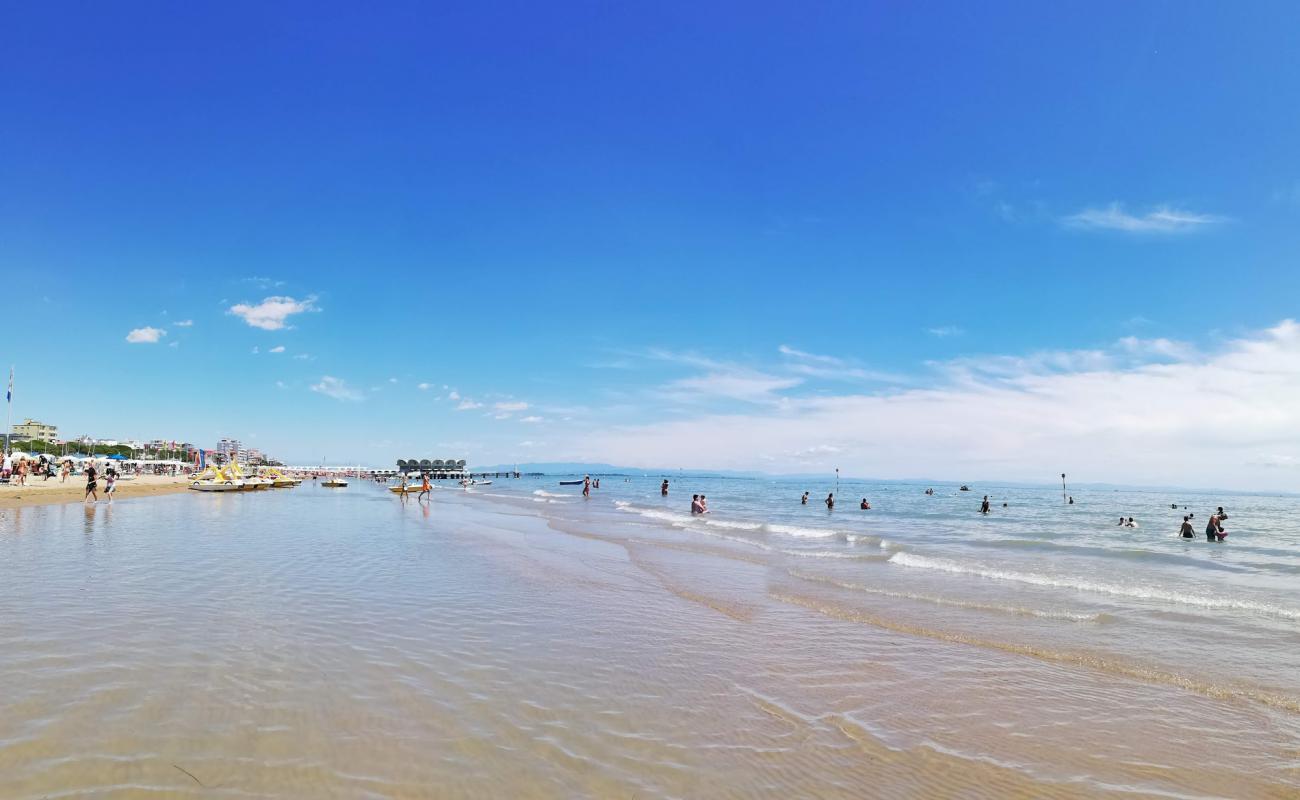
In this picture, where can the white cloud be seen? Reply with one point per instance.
(510, 406)
(468, 405)
(812, 365)
(453, 395)
(185, 323)
(277, 349)
(392, 380)
(530, 419)
(1226, 419)
(145, 335)
(423, 386)
(302, 357)
(944, 331)
(173, 344)
(748, 386)
(1161, 219)
(271, 313)
(1157, 348)
(337, 388)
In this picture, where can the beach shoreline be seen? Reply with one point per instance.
(40, 492)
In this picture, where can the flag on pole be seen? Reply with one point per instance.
(9, 394)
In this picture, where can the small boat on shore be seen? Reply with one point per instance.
(411, 488)
(334, 483)
(570, 483)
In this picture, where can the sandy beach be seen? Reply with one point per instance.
(40, 492)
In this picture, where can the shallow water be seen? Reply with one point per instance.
(318, 643)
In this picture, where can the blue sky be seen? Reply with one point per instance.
(710, 235)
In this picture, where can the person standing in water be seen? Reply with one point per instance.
(803, 501)
(663, 490)
(110, 483)
(1186, 531)
(696, 508)
(830, 501)
(984, 506)
(1214, 529)
(586, 486)
(424, 487)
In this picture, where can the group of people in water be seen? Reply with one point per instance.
(1214, 531)
(830, 502)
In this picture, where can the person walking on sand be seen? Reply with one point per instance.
(663, 490)
(64, 470)
(424, 487)
(984, 506)
(91, 483)
(586, 486)
(830, 501)
(1186, 531)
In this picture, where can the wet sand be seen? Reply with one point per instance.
(39, 492)
(343, 643)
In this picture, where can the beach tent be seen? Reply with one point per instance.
(117, 457)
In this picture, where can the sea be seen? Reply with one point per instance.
(519, 640)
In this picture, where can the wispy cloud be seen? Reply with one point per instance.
(1161, 219)
(185, 323)
(530, 419)
(145, 335)
(944, 331)
(337, 388)
(424, 387)
(272, 313)
(279, 348)
(468, 405)
(833, 368)
(511, 406)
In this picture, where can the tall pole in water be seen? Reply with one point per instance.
(837, 480)
(1063, 487)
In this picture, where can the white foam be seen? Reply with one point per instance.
(1098, 587)
(544, 493)
(734, 524)
(803, 533)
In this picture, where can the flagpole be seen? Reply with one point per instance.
(9, 409)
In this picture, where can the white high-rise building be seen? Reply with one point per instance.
(231, 449)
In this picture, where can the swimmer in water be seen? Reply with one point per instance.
(830, 501)
(803, 501)
(1186, 531)
(984, 506)
(663, 490)
(865, 506)
(1214, 530)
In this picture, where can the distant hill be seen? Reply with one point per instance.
(593, 468)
